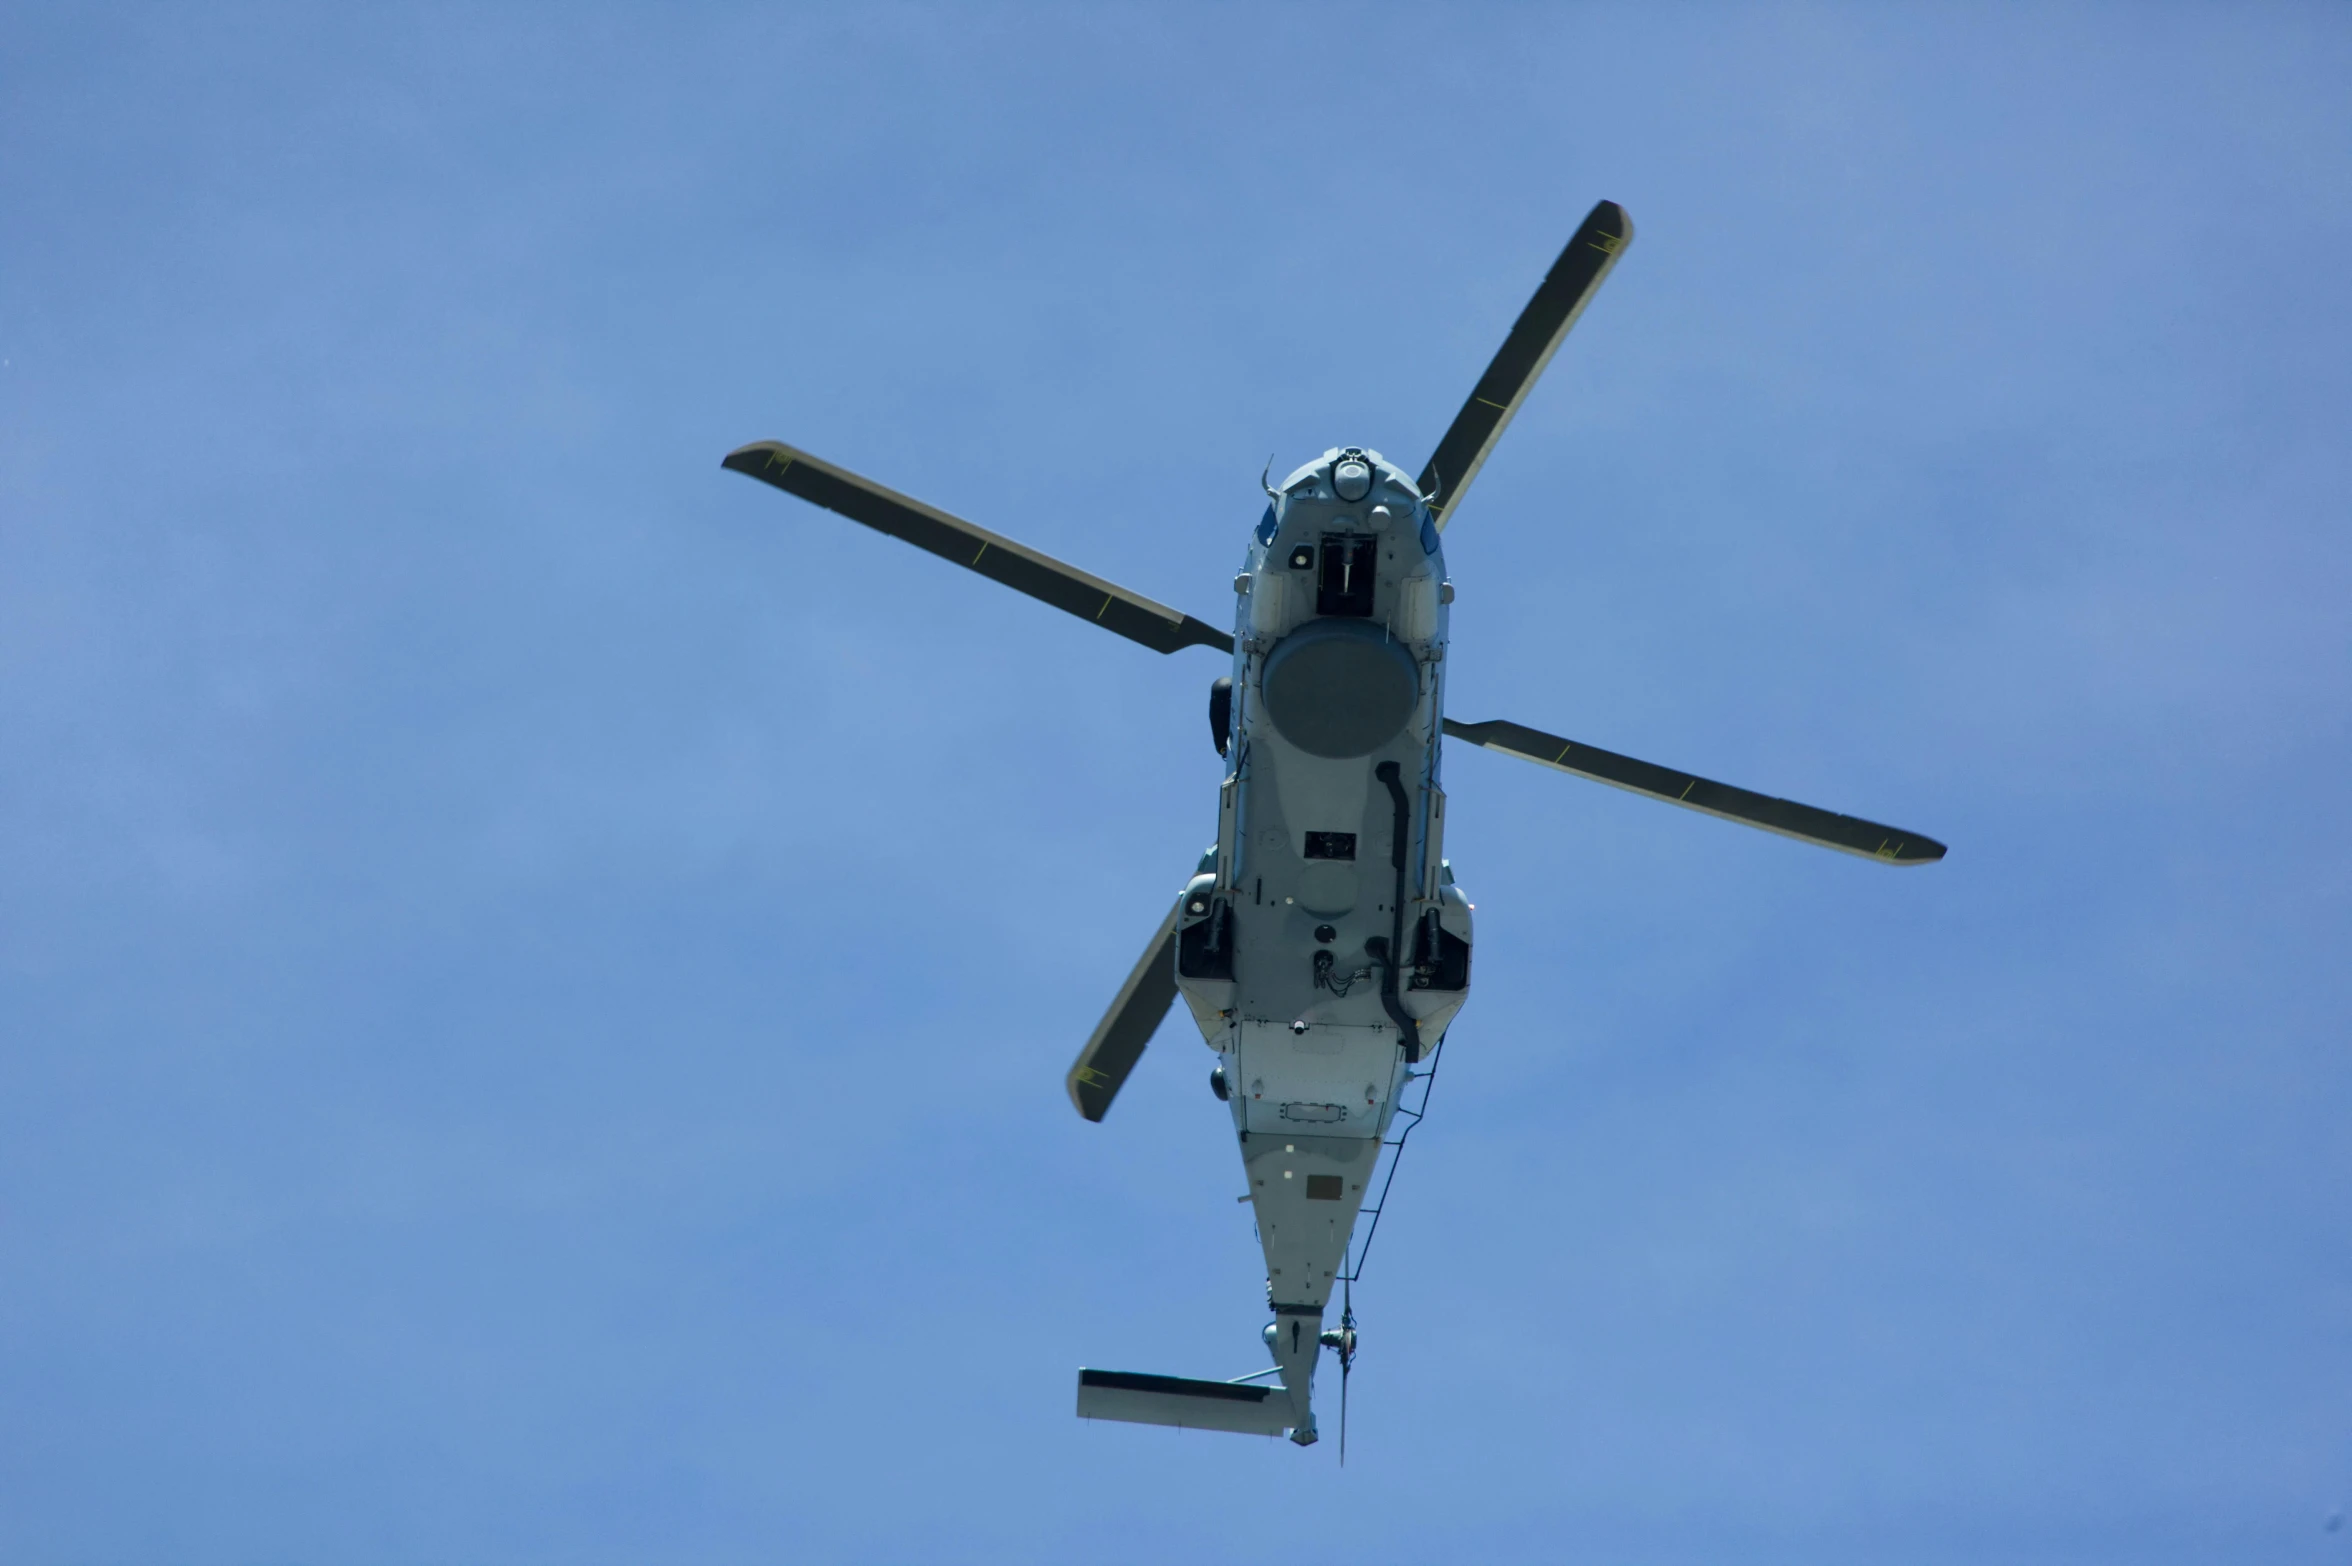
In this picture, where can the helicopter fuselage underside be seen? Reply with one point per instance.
(1322, 945)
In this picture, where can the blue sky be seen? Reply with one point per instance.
(535, 973)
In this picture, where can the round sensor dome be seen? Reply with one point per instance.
(1340, 687)
(1352, 479)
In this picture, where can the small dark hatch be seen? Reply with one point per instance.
(1344, 586)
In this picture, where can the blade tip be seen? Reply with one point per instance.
(1078, 1101)
(1613, 217)
(750, 459)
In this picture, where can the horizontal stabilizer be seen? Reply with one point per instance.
(1187, 1404)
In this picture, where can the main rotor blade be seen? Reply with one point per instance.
(1102, 1066)
(1848, 834)
(1567, 288)
(994, 556)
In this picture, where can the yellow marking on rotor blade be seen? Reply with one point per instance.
(1563, 756)
(1686, 788)
(1608, 244)
(1105, 609)
(1885, 852)
(1090, 1076)
(773, 459)
(983, 550)
(1498, 407)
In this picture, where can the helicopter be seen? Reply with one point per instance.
(1321, 944)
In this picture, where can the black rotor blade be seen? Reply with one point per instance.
(1102, 1066)
(1848, 834)
(1535, 337)
(994, 556)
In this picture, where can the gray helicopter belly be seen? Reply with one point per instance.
(1311, 1056)
(1307, 1191)
(1308, 942)
(1315, 893)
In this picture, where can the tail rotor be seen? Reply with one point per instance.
(1341, 1340)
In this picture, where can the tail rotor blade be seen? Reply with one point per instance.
(1574, 278)
(1347, 1365)
(1347, 1358)
(1805, 823)
(1102, 1066)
